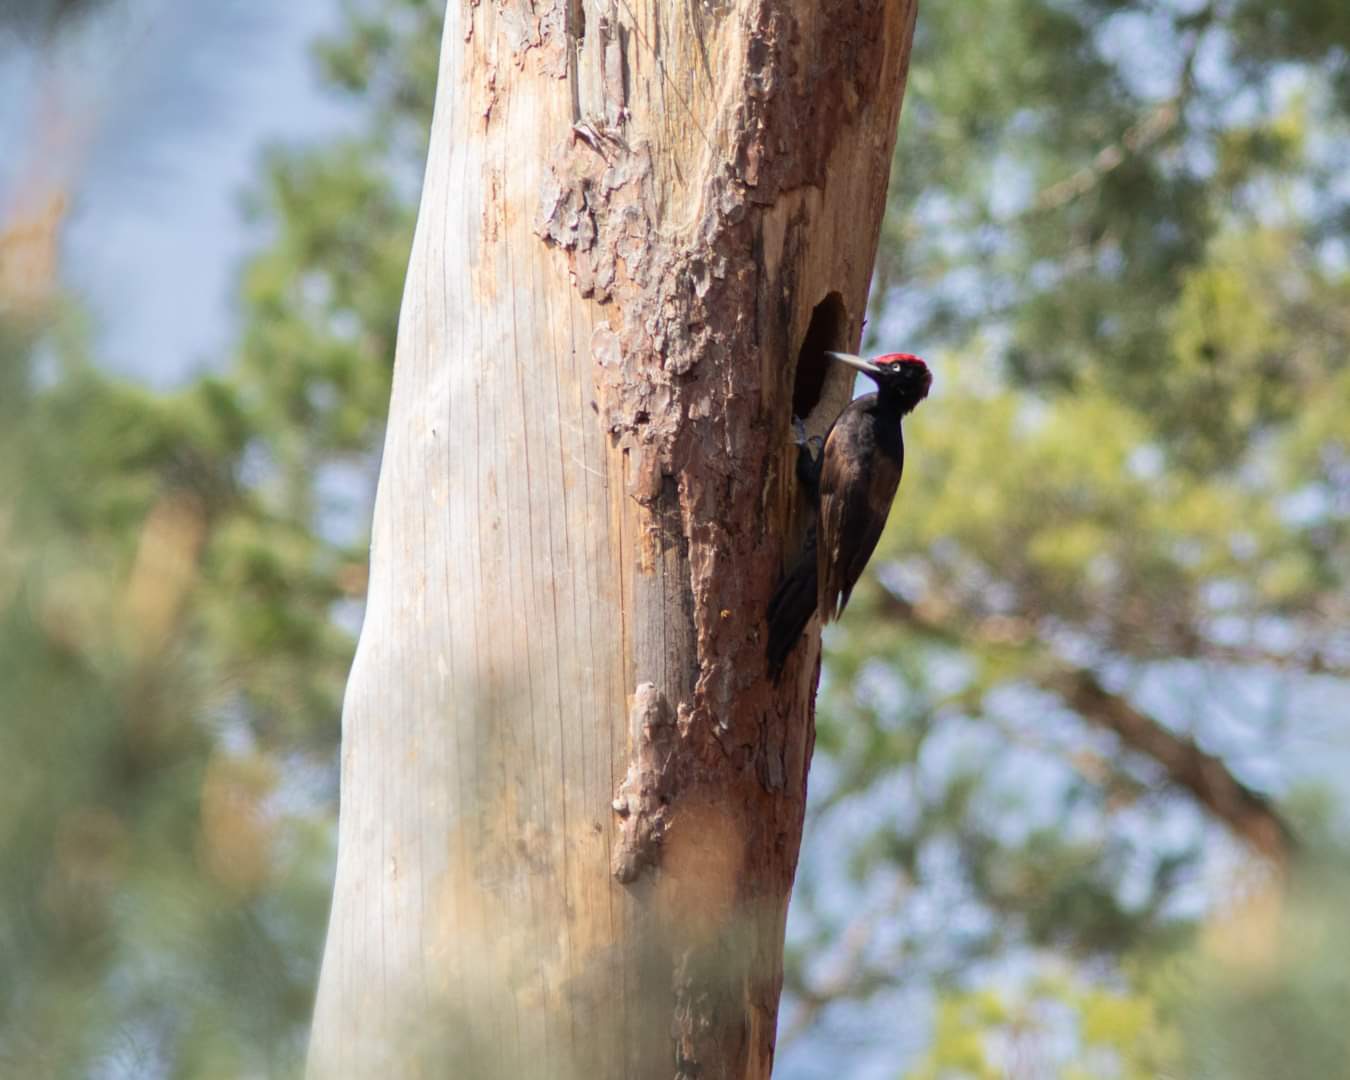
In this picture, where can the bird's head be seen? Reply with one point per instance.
(903, 375)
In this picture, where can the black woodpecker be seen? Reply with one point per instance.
(851, 484)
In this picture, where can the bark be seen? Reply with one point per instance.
(571, 800)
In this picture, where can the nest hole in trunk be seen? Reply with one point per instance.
(829, 323)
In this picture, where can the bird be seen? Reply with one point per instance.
(851, 484)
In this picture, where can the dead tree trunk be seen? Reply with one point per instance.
(571, 800)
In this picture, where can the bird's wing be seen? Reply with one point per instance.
(856, 492)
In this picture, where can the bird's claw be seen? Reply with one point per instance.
(799, 431)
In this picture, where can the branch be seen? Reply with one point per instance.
(1138, 137)
(1246, 812)
(1249, 814)
(850, 976)
(1306, 662)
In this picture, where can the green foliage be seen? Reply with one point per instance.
(1056, 1026)
(176, 587)
(151, 893)
(1115, 234)
(1269, 997)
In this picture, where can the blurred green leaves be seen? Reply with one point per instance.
(1270, 996)
(151, 881)
(178, 584)
(1118, 234)
(1054, 1026)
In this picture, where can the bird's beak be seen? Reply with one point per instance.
(853, 362)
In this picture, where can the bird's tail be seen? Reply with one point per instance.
(793, 604)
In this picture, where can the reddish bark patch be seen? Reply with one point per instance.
(794, 112)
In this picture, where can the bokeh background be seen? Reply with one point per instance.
(1079, 805)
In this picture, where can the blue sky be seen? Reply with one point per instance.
(164, 109)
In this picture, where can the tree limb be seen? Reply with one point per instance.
(1211, 783)
(1248, 813)
(1141, 136)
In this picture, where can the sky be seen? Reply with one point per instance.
(152, 116)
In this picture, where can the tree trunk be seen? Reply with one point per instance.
(571, 799)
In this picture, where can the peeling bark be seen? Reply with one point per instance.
(644, 796)
(572, 801)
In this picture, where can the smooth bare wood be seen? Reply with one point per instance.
(571, 800)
